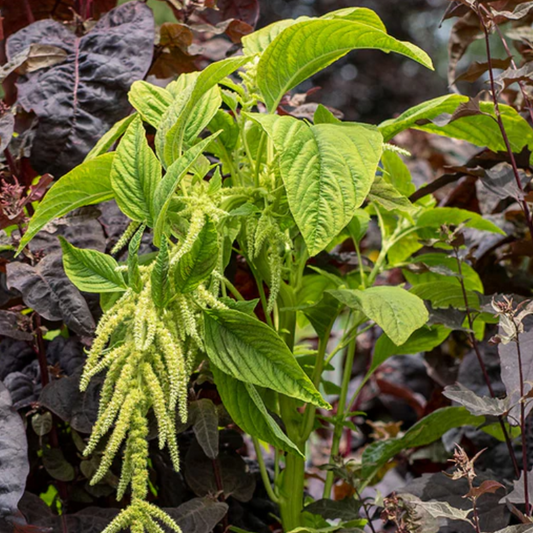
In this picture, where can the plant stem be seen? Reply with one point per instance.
(341, 412)
(310, 410)
(523, 203)
(526, 97)
(523, 425)
(486, 377)
(41, 351)
(263, 471)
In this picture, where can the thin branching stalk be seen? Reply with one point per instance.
(523, 203)
(482, 365)
(526, 97)
(523, 423)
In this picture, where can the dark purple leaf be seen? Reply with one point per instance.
(199, 515)
(80, 99)
(464, 32)
(90, 520)
(200, 475)
(346, 509)
(24, 386)
(14, 466)
(81, 228)
(517, 494)
(204, 417)
(476, 69)
(14, 356)
(56, 465)
(12, 325)
(511, 372)
(477, 405)
(79, 409)
(439, 487)
(15, 14)
(67, 353)
(501, 181)
(243, 10)
(7, 124)
(46, 289)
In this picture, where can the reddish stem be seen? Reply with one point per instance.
(527, 100)
(523, 203)
(29, 13)
(523, 424)
(486, 377)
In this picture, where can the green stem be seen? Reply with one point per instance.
(310, 410)
(341, 412)
(263, 471)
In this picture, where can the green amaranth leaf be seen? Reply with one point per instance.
(248, 411)
(150, 101)
(135, 174)
(393, 309)
(160, 276)
(247, 349)
(167, 186)
(134, 274)
(424, 432)
(480, 130)
(108, 139)
(196, 265)
(327, 170)
(453, 216)
(181, 122)
(87, 184)
(90, 270)
(305, 48)
(443, 294)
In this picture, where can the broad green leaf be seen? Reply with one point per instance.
(397, 173)
(258, 41)
(453, 216)
(480, 130)
(444, 294)
(324, 116)
(403, 249)
(387, 196)
(307, 47)
(180, 137)
(322, 315)
(248, 411)
(87, 184)
(134, 275)
(196, 265)
(160, 276)
(224, 122)
(90, 270)
(108, 139)
(179, 126)
(424, 432)
(327, 170)
(167, 186)
(441, 268)
(358, 226)
(422, 340)
(135, 174)
(393, 309)
(150, 101)
(247, 349)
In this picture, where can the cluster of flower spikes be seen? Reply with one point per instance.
(149, 353)
(266, 230)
